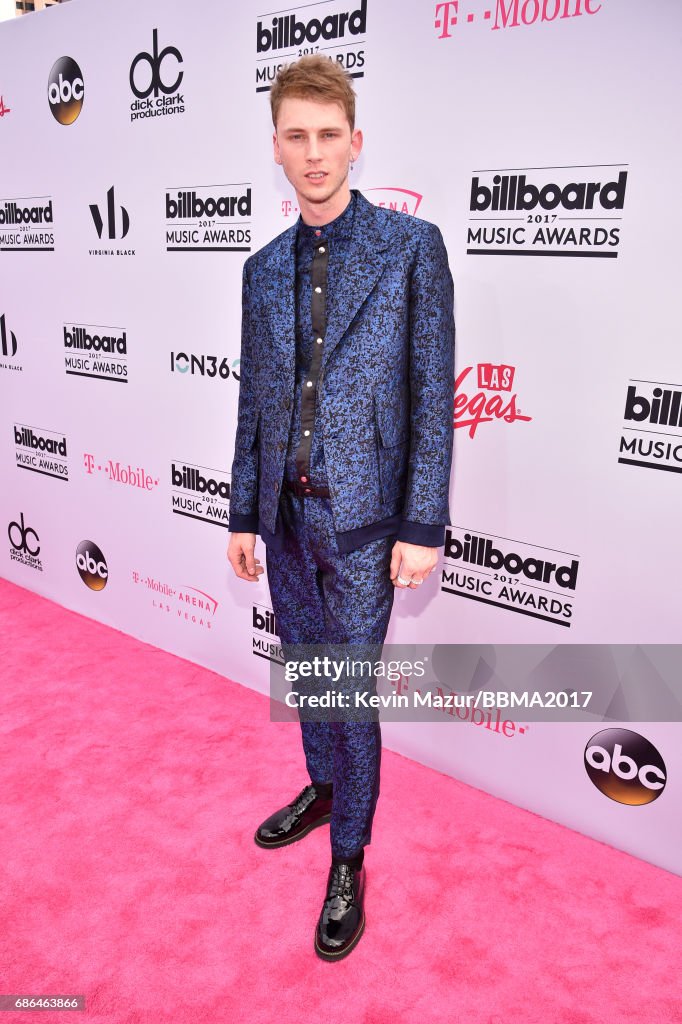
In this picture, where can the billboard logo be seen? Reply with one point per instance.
(336, 34)
(511, 574)
(651, 404)
(547, 211)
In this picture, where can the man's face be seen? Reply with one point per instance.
(314, 144)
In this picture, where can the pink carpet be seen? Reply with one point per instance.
(131, 785)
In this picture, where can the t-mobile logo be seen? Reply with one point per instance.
(446, 17)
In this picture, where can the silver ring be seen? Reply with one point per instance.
(405, 583)
(417, 583)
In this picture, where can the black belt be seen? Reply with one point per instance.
(306, 490)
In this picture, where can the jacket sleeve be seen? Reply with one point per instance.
(244, 476)
(426, 509)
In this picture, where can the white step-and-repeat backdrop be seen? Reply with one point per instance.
(137, 175)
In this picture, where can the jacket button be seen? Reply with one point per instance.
(287, 403)
(280, 446)
(275, 487)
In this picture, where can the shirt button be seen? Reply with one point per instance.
(307, 490)
(304, 479)
(308, 383)
(318, 232)
(318, 290)
(320, 340)
(321, 249)
(306, 433)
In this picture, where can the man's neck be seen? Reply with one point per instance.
(319, 214)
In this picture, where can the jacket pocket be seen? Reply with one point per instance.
(393, 427)
(393, 450)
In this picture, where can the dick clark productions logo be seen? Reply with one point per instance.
(154, 79)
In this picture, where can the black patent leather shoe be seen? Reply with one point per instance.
(308, 811)
(342, 920)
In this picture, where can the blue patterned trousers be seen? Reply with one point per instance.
(322, 597)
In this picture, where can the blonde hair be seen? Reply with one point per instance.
(314, 77)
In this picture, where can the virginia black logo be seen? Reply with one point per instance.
(111, 217)
(625, 767)
(91, 565)
(148, 78)
(651, 404)
(65, 90)
(8, 339)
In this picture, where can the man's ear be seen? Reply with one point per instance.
(275, 148)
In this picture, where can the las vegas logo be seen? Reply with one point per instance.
(494, 398)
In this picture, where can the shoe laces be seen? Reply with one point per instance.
(304, 798)
(341, 882)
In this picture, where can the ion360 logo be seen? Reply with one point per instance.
(625, 767)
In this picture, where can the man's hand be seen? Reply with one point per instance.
(411, 563)
(240, 557)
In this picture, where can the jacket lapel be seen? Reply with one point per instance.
(365, 262)
(279, 285)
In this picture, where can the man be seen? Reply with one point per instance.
(344, 444)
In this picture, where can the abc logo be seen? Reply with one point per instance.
(65, 90)
(91, 565)
(625, 766)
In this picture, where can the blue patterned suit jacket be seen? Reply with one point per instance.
(385, 390)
